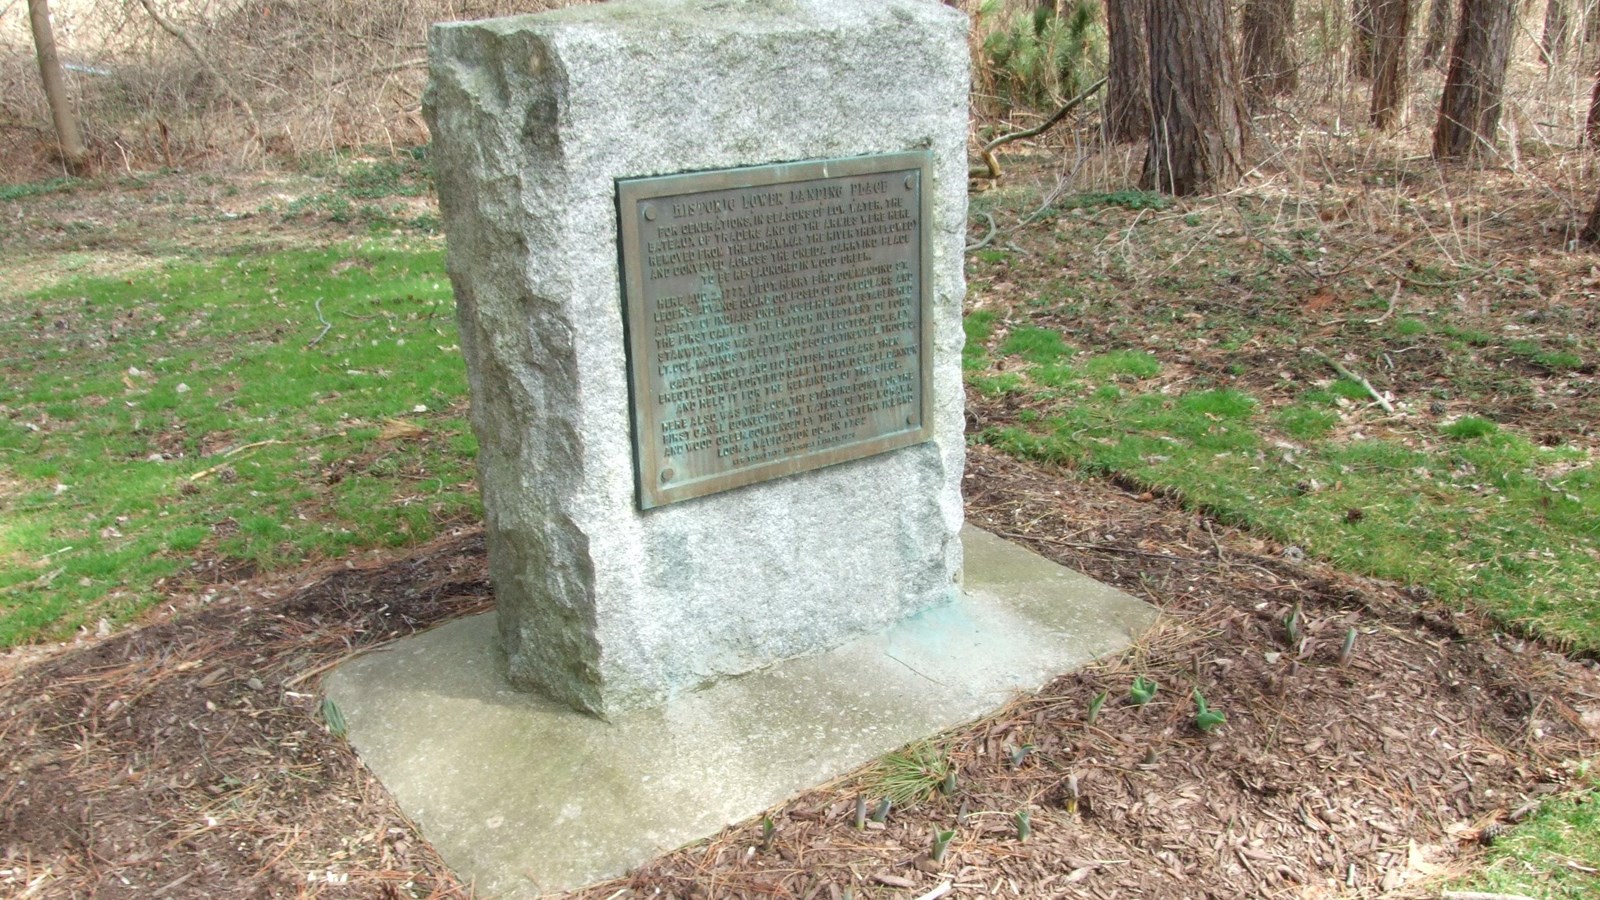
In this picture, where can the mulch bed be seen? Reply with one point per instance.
(189, 757)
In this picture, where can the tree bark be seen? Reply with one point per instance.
(1591, 231)
(1197, 131)
(1553, 46)
(1128, 85)
(1392, 28)
(1591, 128)
(1433, 45)
(73, 153)
(1269, 66)
(1469, 111)
(1363, 28)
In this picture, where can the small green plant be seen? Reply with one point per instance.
(1095, 706)
(1037, 58)
(1125, 199)
(1036, 345)
(1467, 428)
(914, 774)
(1019, 754)
(1024, 822)
(949, 785)
(1347, 650)
(881, 814)
(769, 831)
(861, 812)
(333, 717)
(1294, 625)
(1074, 794)
(1143, 690)
(941, 844)
(1205, 718)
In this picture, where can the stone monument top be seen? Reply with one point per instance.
(708, 264)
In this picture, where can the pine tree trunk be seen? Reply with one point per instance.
(1363, 27)
(1197, 131)
(1392, 27)
(55, 87)
(1553, 46)
(1128, 85)
(1269, 66)
(1591, 128)
(1591, 232)
(1469, 111)
(1433, 45)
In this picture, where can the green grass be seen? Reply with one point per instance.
(193, 411)
(1476, 514)
(1553, 855)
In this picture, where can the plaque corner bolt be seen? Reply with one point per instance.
(649, 213)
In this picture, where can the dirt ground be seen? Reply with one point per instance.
(190, 757)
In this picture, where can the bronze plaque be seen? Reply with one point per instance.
(777, 319)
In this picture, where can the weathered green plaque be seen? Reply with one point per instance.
(777, 319)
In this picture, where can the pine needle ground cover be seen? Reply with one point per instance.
(202, 421)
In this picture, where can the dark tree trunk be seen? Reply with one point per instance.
(1469, 111)
(1197, 129)
(1553, 46)
(1591, 232)
(73, 153)
(1269, 66)
(1363, 28)
(1433, 45)
(1128, 83)
(1392, 27)
(1591, 128)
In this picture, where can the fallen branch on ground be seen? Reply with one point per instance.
(1367, 385)
(991, 166)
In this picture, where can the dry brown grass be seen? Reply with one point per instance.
(318, 75)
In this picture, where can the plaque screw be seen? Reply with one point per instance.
(911, 181)
(911, 420)
(666, 475)
(650, 213)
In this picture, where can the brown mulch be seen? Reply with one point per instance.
(190, 758)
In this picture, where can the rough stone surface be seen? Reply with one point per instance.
(520, 794)
(601, 606)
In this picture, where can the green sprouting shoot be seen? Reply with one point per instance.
(1143, 690)
(882, 812)
(1205, 718)
(941, 843)
(1094, 707)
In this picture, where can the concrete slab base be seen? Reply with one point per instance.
(522, 796)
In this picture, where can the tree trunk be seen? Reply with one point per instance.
(1128, 84)
(55, 88)
(1591, 128)
(1438, 32)
(1269, 67)
(1469, 111)
(1363, 27)
(1591, 232)
(1553, 46)
(1197, 131)
(1392, 27)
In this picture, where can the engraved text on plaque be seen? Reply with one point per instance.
(777, 319)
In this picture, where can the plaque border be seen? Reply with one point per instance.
(649, 490)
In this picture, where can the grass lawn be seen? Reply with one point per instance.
(255, 412)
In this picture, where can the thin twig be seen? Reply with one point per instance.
(938, 892)
(1346, 373)
(232, 453)
(325, 325)
(986, 238)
